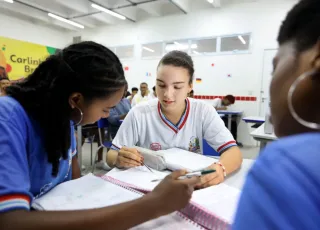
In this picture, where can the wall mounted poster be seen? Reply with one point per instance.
(19, 58)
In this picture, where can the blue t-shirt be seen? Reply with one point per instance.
(123, 107)
(25, 172)
(282, 190)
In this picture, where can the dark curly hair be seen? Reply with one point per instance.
(230, 98)
(301, 25)
(88, 68)
(179, 59)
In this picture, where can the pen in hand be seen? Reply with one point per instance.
(147, 167)
(192, 174)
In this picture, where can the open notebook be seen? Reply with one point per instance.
(175, 159)
(213, 207)
(92, 192)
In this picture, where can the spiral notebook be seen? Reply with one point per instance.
(90, 192)
(175, 159)
(213, 207)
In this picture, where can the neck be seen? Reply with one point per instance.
(174, 116)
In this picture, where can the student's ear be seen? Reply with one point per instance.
(76, 100)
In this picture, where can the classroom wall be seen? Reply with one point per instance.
(40, 34)
(261, 18)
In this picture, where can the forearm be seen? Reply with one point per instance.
(111, 157)
(231, 159)
(118, 217)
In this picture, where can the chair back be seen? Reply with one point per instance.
(103, 123)
(208, 150)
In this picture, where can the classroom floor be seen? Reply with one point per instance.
(248, 153)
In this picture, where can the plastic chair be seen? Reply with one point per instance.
(208, 150)
(106, 142)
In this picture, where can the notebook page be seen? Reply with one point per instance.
(139, 177)
(173, 221)
(221, 200)
(181, 159)
(85, 193)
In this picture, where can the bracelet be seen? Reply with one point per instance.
(223, 168)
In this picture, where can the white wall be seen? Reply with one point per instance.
(25, 31)
(262, 19)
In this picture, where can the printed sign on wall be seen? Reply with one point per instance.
(198, 80)
(19, 58)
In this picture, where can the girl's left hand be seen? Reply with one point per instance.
(212, 178)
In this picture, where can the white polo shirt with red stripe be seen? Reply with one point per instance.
(146, 126)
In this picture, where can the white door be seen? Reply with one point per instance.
(268, 56)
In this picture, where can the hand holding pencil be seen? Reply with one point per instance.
(128, 158)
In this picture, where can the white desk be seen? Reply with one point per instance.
(254, 119)
(264, 138)
(229, 114)
(238, 178)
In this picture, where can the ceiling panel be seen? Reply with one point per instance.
(81, 11)
(112, 3)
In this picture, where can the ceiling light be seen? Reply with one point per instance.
(108, 11)
(65, 20)
(177, 43)
(195, 52)
(215, 3)
(148, 49)
(10, 1)
(242, 40)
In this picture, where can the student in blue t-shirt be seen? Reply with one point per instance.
(282, 190)
(79, 85)
(118, 113)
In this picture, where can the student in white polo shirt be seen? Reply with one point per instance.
(222, 104)
(173, 120)
(144, 95)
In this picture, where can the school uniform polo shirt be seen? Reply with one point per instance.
(217, 102)
(138, 98)
(146, 126)
(25, 172)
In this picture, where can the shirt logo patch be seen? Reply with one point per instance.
(194, 145)
(155, 146)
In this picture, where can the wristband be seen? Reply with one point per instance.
(223, 168)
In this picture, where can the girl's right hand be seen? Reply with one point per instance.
(128, 158)
(173, 194)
